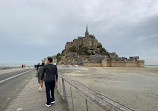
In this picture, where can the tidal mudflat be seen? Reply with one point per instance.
(136, 88)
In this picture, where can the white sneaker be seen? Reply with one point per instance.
(53, 102)
(39, 88)
(48, 105)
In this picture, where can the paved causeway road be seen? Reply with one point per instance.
(11, 83)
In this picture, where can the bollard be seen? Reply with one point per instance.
(64, 91)
(86, 105)
(72, 100)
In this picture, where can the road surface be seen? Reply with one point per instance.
(11, 84)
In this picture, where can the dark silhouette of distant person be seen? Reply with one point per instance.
(22, 66)
(37, 66)
(51, 77)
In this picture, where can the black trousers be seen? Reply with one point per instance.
(50, 85)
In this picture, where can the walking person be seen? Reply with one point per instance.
(37, 66)
(40, 71)
(51, 77)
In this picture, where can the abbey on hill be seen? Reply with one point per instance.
(88, 51)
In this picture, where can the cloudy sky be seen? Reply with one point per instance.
(33, 29)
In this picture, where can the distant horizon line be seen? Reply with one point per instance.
(33, 64)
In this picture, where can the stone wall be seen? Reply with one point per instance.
(140, 63)
(92, 65)
(105, 63)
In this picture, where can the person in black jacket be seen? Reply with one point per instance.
(51, 77)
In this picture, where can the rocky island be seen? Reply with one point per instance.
(88, 51)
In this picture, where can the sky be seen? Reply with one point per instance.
(33, 29)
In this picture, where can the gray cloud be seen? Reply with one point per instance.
(31, 29)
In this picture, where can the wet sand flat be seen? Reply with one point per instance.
(136, 88)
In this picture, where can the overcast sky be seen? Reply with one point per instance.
(33, 29)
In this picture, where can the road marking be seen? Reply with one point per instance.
(14, 76)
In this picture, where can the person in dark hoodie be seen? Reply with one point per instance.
(51, 77)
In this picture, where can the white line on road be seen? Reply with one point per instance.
(14, 76)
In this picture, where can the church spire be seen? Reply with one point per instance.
(86, 33)
(86, 28)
